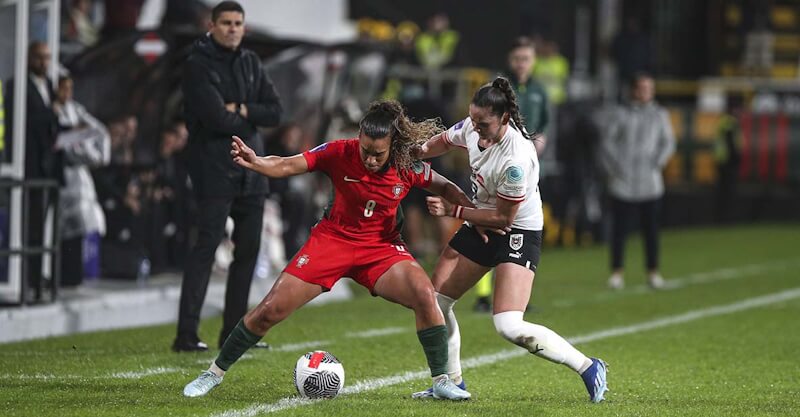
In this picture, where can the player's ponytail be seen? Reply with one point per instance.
(499, 97)
(387, 118)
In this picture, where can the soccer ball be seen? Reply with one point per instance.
(318, 374)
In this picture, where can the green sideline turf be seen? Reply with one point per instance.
(738, 364)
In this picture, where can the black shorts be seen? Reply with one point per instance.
(521, 247)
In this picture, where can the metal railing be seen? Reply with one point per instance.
(48, 191)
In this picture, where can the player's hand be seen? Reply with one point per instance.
(438, 206)
(416, 151)
(231, 107)
(483, 232)
(242, 154)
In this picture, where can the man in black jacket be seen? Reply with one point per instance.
(226, 92)
(42, 160)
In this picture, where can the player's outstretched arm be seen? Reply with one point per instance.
(435, 146)
(271, 165)
(501, 217)
(448, 190)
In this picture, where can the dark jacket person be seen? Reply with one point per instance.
(226, 92)
(42, 160)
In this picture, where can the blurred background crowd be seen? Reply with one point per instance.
(726, 71)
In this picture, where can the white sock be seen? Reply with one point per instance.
(453, 337)
(216, 370)
(539, 340)
(438, 378)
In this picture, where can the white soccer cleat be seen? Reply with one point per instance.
(202, 384)
(445, 389)
(656, 282)
(428, 393)
(616, 282)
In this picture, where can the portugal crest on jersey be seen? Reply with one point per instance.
(515, 241)
(397, 190)
(302, 261)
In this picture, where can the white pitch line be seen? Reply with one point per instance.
(291, 347)
(671, 284)
(376, 332)
(684, 281)
(143, 373)
(117, 375)
(503, 355)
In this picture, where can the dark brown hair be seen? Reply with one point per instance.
(388, 118)
(499, 98)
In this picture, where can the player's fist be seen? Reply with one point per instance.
(241, 153)
(438, 206)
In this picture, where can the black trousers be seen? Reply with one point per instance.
(247, 213)
(36, 209)
(72, 261)
(621, 214)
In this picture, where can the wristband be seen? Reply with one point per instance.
(458, 212)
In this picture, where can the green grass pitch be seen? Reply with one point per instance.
(734, 355)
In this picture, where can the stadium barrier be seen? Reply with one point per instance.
(50, 247)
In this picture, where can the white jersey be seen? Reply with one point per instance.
(508, 169)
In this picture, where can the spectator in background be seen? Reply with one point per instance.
(79, 28)
(172, 213)
(533, 107)
(727, 156)
(190, 15)
(552, 70)
(123, 132)
(637, 143)
(85, 143)
(403, 51)
(632, 52)
(436, 47)
(121, 16)
(42, 160)
(226, 92)
(290, 193)
(531, 95)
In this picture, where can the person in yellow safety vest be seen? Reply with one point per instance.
(552, 70)
(436, 46)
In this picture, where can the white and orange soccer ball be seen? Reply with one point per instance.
(318, 374)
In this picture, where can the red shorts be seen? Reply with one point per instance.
(325, 258)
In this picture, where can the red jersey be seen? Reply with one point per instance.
(364, 207)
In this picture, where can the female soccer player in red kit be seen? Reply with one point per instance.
(358, 236)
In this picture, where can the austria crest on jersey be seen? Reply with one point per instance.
(515, 241)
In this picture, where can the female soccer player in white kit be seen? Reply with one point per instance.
(505, 184)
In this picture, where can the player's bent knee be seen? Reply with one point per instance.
(512, 327)
(267, 315)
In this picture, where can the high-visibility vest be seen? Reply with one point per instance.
(552, 72)
(436, 50)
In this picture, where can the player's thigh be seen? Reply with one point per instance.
(462, 277)
(287, 295)
(512, 287)
(444, 266)
(405, 283)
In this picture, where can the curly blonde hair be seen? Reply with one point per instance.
(388, 118)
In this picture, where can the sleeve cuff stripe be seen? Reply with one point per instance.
(510, 198)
